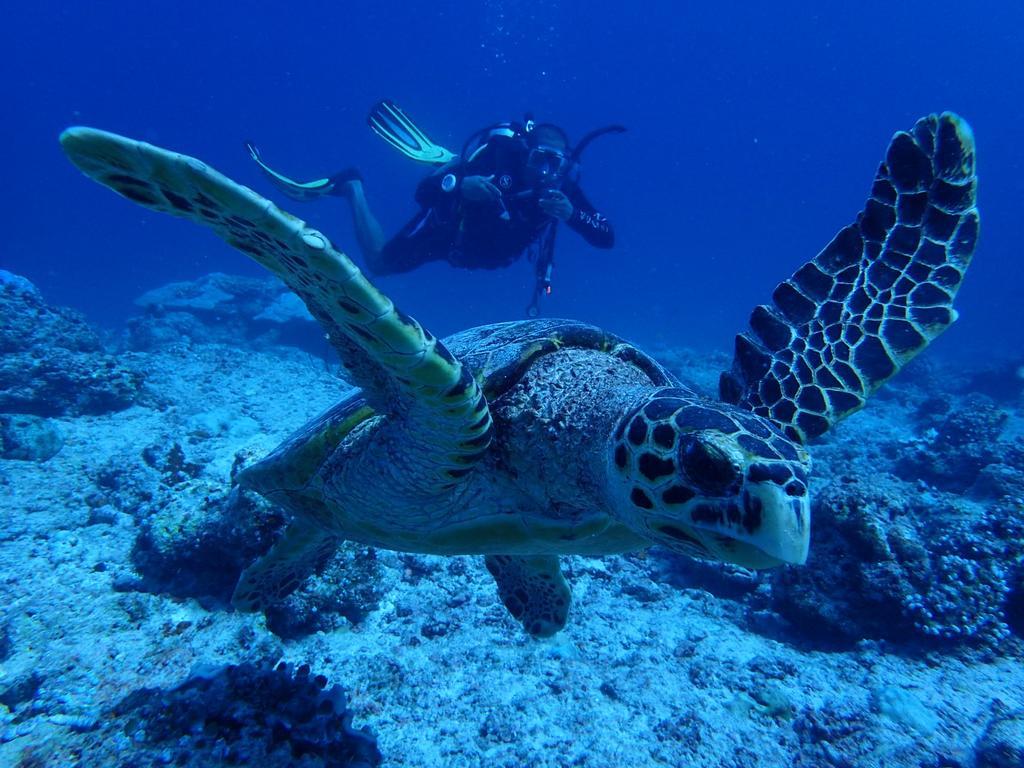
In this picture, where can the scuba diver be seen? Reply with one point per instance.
(501, 197)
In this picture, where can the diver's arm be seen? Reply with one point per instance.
(432, 191)
(588, 221)
(429, 192)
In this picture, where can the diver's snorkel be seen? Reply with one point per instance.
(589, 137)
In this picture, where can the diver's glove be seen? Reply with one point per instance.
(480, 189)
(555, 203)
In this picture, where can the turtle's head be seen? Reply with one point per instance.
(711, 480)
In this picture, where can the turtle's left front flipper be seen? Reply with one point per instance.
(854, 315)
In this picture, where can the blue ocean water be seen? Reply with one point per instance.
(754, 134)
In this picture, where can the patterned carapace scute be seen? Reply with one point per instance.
(854, 315)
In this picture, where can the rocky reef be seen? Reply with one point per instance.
(899, 643)
(52, 363)
(227, 309)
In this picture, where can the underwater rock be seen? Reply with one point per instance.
(721, 579)
(28, 438)
(30, 323)
(19, 688)
(247, 714)
(996, 481)
(904, 708)
(891, 563)
(1015, 600)
(215, 294)
(833, 735)
(157, 330)
(197, 546)
(285, 308)
(699, 370)
(51, 381)
(958, 447)
(1002, 743)
(220, 308)
(347, 589)
(51, 362)
(6, 644)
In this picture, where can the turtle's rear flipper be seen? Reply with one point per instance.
(303, 549)
(534, 591)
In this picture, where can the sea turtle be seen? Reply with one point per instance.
(523, 441)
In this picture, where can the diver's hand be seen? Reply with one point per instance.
(481, 188)
(554, 203)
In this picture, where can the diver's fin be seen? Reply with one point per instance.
(390, 123)
(304, 190)
(533, 589)
(302, 549)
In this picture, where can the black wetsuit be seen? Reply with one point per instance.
(488, 234)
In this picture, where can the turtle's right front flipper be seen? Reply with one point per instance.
(406, 373)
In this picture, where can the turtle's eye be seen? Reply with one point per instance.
(708, 467)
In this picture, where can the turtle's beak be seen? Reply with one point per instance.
(770, 528)
(774, 529)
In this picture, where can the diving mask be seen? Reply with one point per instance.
(546, 164)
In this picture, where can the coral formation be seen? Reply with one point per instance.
(245, 714)
(891, 563)
(196, 545)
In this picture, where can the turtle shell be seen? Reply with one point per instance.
(500, 354)
(497, 354)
